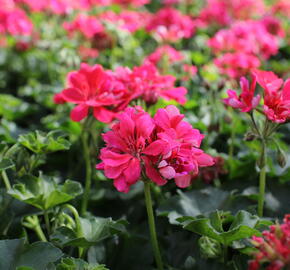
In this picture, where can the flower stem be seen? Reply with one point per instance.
(46, 219)
(262, 178)
(6, 180)
(32, 222)
(88, 181)
(151, 222)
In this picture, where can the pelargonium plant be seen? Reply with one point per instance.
(152, 150)
(275, 108)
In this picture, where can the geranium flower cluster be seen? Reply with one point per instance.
(170, 25)
(108, 92)
(165, 55)
(273, 247)
(276, 105)
(160, 148)
(13, 20)
(128, 20)
(251, 37)
(224, 12)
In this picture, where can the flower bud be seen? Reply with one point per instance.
(209, 247)
(281, 158)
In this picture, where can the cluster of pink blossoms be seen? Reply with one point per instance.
(160, 148)
(67, 6)
(170, 25)
(107, 92)
(13, 20)
(276, 98)
(128, 20)
(273, 247)
(224, 12)
(251, 37)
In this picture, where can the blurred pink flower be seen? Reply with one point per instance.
(169, 24)
(273, 247)
(146, 83)
(246, 101)
(236, 65)
(162, 52)
(127, 20)
(89, 26)
(251, 37)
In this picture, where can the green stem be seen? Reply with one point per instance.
(88, 181)
(6, 180)
(262, 178)
(151, 222)
(46, 219)
(225, 254)
(78, 226)
(33, 223)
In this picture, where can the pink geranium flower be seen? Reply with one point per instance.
(162, 52)
(236, 65)
(89, 26)
(168, 24)
(121, 158)
(273, 247)
(276, 100)
(162, 148)
(246, 101)
(92, 87)
(146, 83)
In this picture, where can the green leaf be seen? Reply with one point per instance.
(192, 203)
(78, 264)
(43, 143)
(6, 164)
(93, 230)
(15, 254)
(43, 192)
(243, 226)
(13, 108)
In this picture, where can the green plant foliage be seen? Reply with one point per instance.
(78, 264)
(43, 143)
(43, 192)
(92, 231)
(15, 254)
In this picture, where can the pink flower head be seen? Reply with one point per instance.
(92, 87)
(236, 65)
(135, 3)
(127, 20)
(15, 22)
(169, 24)
(276, 101)
(281, 7)
(224, 12)
(162, 148)
(121, 158)
(146, 83)
(190, 71)
(162, 52)
(251, 37)
(89, 26)
(273, 247)
(246, 101)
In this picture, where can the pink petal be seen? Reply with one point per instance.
(103, 115)
(183, 181)
(79, 112)
(167, 172)
(73, 95)
(121, 185)
(286, 90)
(204, 160)
(114, 159)
(155, 148)
(133, 171)
(153, 174)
